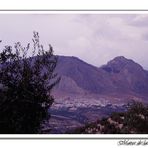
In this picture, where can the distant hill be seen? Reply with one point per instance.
(120, 77)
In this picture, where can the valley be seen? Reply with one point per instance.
(86, 93)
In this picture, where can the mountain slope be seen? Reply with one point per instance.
(86, 76)
(119, 77)
(127, 75)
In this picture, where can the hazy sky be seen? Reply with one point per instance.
(95, 38)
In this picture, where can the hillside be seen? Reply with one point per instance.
(119, 78)
(133, 121)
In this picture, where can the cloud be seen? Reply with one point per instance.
(140, 20)
(95, 38)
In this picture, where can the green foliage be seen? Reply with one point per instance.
(110, 129)
(117, 117)
(136, 118)
(133, 121)
(26, 82)
(104, 121)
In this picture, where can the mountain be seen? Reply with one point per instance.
(119, 78)
(127, 76)
(85, 76)
(87, 93)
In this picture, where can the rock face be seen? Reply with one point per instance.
(127, 76)
(118, 77)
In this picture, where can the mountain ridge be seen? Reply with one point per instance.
(119, 77)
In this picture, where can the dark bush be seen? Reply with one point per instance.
(26, 84)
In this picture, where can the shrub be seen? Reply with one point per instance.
(26, 84)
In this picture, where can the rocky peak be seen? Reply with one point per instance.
(121, 63)
(120, 59)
